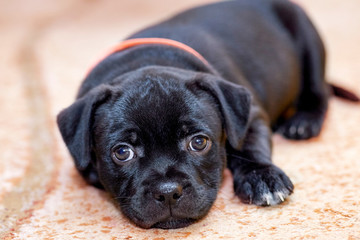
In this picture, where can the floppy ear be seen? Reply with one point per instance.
(75, 123)
(234, 102)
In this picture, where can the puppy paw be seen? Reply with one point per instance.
(302, 125)
(263, 187)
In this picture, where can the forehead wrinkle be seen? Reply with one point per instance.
(147, 86)
(156, 112)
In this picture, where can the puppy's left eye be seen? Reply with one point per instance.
(123, 153)
(199, 143)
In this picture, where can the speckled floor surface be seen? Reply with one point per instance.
(46, 48)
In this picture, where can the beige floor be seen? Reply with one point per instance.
(46, 48)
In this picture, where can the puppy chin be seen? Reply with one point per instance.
(172, 223)
(167, 223)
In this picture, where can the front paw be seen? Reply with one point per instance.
(302, 125)
(263, 187)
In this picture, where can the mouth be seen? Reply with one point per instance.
(172, 223)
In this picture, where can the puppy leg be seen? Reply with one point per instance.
(311, 105)
(256, 179)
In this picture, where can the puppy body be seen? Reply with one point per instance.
(183, 121)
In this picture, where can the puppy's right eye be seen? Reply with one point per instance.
(123, 153)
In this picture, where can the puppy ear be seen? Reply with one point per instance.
(75, 123)
(234, 102)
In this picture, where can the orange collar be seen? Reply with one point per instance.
(145, 41)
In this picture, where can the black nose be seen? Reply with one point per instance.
(168, 193)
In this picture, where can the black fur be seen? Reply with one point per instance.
(266, 58)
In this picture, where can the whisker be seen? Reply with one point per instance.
(240, 157)
(122, 197)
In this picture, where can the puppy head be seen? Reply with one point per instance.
(155, 139)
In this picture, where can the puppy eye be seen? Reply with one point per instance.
(123, 153)
(199, 143)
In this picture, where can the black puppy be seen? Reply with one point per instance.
(156, 125)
